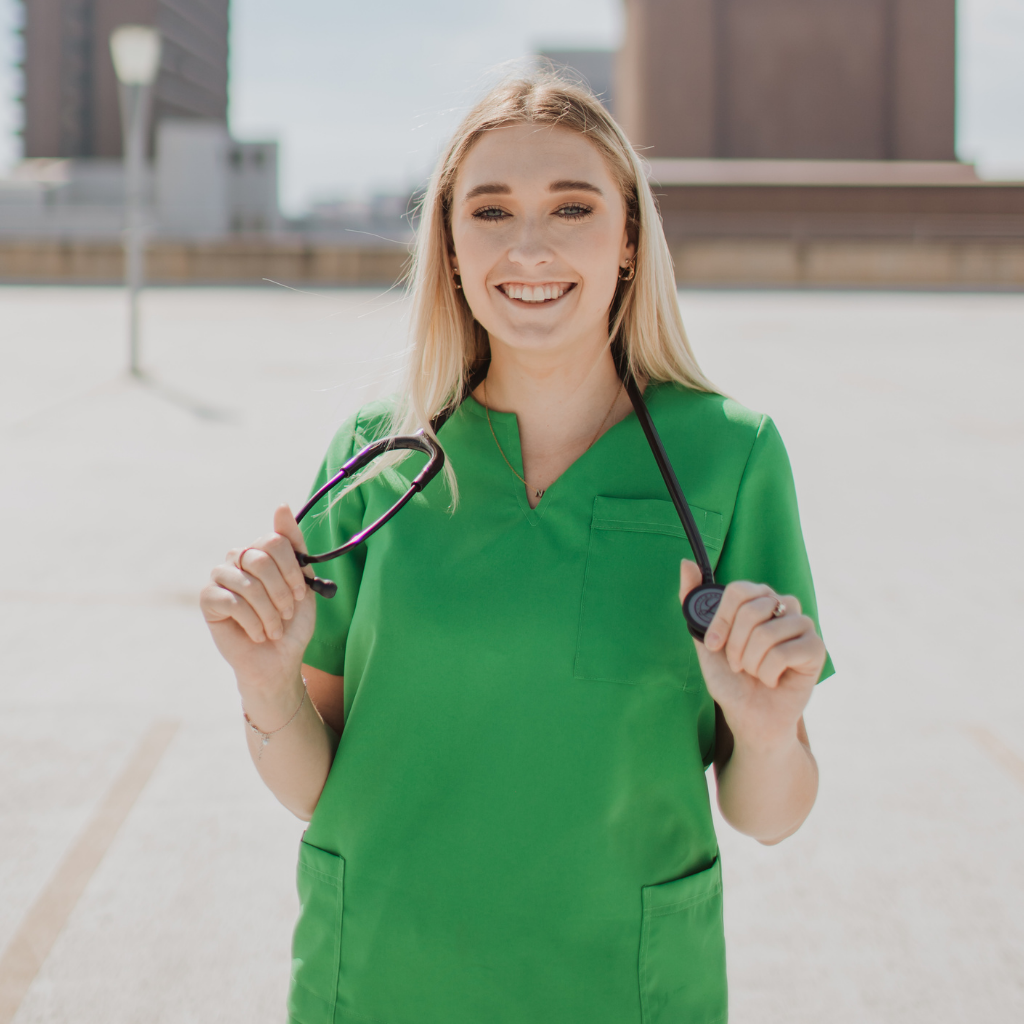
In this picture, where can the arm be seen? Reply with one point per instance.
(327, 693)
(261, 615)
(764, 795)
(296, 761)
(760, 669)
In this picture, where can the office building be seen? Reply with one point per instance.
(70, 90)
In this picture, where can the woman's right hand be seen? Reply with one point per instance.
(262, 613)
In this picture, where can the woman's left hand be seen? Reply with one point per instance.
(760, 667)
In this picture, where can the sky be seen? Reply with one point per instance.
(362, 95)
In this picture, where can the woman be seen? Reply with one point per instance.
(503, 748)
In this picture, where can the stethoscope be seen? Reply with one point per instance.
(700, 604)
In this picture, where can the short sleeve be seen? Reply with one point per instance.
(328, 526)
(764, 543)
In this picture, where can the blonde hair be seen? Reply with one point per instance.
(448, 343)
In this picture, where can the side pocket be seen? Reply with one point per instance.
(316, 946)
(682, 951)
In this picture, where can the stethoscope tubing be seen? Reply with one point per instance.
(700, 604)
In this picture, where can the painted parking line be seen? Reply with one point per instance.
(32, 942)
(1007, 759)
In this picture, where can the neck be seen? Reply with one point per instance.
(550, 386)
(563, 402)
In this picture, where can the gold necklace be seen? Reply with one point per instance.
(537, 492)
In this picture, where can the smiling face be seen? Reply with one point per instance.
(539, 235)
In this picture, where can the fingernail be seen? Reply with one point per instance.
(712, 639)
(275, 634)
(299, 592)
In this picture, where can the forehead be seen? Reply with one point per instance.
(526, 156)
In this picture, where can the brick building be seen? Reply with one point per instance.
(790, 79)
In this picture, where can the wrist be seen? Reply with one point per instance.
(267, 717)
(767, 746)
(261, 695)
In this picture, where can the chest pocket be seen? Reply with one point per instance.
(631, 627)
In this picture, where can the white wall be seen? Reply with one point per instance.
(192, 179)
(252, 188)
(203, 185)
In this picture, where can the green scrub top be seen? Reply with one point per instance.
(516, 828)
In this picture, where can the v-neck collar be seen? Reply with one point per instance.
(506, 430)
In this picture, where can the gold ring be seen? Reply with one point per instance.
(780, 609)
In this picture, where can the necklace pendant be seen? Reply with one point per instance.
(539, 494)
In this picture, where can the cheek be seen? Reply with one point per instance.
(596, 256)
(596, 244)
(474, 251)
(475, 255)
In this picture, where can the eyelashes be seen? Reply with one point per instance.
(574, 211)
(569, 212)
(490, 213)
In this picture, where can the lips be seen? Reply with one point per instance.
(535, 293)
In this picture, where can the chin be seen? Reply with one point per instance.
(535, 337)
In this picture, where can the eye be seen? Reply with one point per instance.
(491, 213)
(574, 211)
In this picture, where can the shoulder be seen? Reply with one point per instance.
(370, 422)
(373, 421)
(719, 445)
(707, 407)
(719, 424)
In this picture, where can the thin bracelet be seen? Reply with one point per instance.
(265, 736)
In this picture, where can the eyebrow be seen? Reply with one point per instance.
(567, 185)
(497, 188)
(493, 188)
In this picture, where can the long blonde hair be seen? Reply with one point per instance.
(448, 343)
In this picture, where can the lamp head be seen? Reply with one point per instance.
(136, 53)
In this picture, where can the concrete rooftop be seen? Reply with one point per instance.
(146, 875)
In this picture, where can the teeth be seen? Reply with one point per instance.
(534, 293)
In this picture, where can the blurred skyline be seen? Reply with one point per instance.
(362, 96)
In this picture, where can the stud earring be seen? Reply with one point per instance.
(457, 278)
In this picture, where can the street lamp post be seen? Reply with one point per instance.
(136, 53)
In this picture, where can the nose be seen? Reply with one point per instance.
(529, 246)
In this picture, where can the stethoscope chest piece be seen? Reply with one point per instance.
(699, 608)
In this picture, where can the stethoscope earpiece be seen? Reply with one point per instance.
(325, 588)
(699, 607)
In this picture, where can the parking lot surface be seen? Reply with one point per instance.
(146, 875)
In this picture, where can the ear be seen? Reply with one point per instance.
(449, 245)
(628, 248)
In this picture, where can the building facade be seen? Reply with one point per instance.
(789, 79)
(70, 90)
